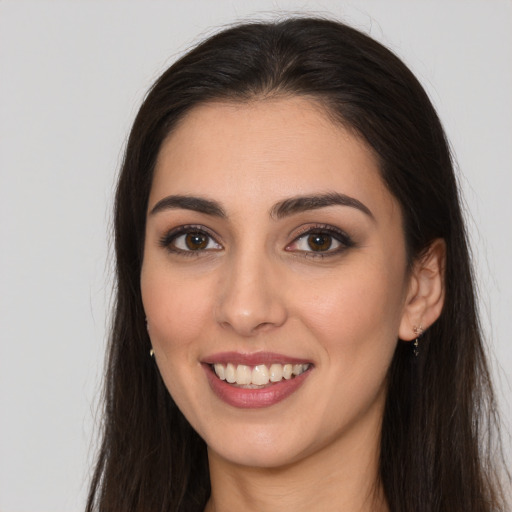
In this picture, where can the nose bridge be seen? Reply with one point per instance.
(248, 300)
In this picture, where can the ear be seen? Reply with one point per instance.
(425, 295)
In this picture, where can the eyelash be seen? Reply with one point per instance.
(170, 238)
(338, 235)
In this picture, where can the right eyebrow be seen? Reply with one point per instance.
(197, 204)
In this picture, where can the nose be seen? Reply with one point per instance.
(251, 297)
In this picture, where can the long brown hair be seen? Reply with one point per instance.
(436, 449)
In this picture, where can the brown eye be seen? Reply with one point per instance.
(319, 242)
(195, 241)
(187, 240)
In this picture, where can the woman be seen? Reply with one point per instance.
(295, 324)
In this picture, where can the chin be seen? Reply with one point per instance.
(261, 447)
(254, 455)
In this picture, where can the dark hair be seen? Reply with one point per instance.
(436, 453)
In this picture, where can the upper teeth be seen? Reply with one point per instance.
(259, 375)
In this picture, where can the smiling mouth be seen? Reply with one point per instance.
(258, 376)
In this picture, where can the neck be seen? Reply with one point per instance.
(343, 476)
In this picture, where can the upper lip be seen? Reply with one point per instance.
(252, 359)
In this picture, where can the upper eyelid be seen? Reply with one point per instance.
(315, 228)
(178, 231)
(186, 228)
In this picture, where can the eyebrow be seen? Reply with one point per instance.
(198, 204)
(299, 204)
(285, 208)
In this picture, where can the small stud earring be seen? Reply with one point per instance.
(151, 353)
(418, 331)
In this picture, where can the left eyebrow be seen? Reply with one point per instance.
(299, 204)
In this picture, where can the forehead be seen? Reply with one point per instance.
(262, 151)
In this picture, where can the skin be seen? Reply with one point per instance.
(258, 286)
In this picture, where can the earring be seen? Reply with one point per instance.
(151, 352)
(418, 331)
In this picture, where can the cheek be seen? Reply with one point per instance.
(176, 315)
(176, 308)
(354, 311)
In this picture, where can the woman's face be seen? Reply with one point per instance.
(274, 258)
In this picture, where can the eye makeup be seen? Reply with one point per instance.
(189, 240)
(320, 240)
(313, 240)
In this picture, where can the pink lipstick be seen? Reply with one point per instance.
(255, 380)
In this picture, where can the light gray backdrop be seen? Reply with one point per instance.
(71, 77)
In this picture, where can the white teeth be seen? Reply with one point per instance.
(230, 373)
(297, 369)
(219, 370)
(276, 372)
(243, 374)
(259, 375)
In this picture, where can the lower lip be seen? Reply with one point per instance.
(254, 398)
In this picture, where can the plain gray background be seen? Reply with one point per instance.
(72, 75)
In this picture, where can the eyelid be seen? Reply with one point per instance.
(168, 238)
(338, 234)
